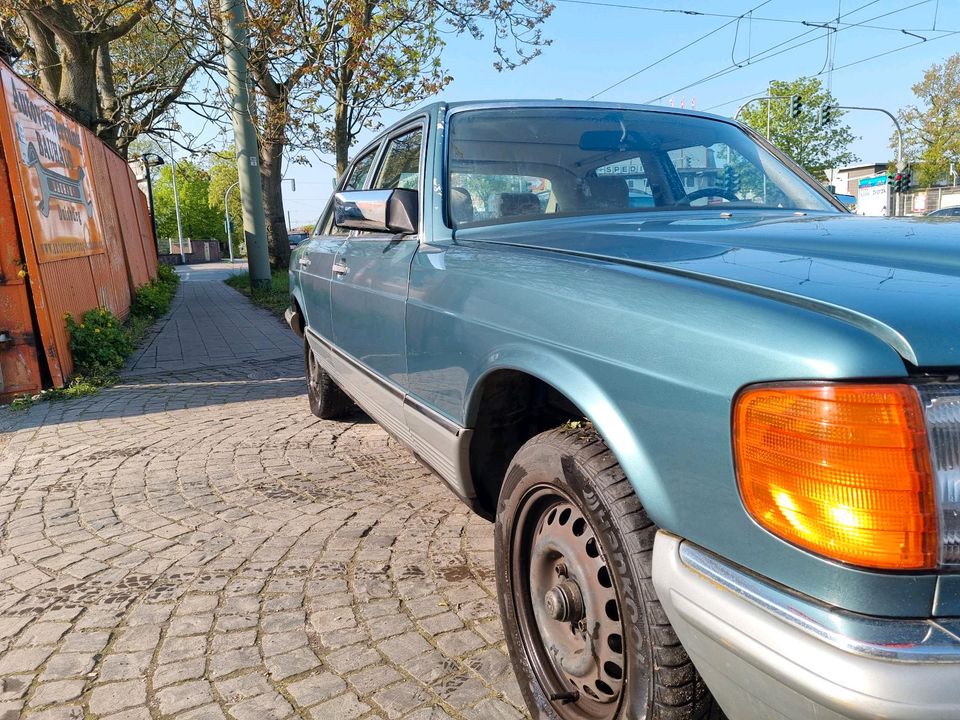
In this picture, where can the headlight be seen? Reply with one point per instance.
(850, 472)
(941, 406)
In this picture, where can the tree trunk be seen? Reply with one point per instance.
(48, 61)
(78, 82)
(108, 97)
(341, 130)
(272, 143)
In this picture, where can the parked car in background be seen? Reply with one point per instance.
(717, 430)
(295, 238)
(946, 212)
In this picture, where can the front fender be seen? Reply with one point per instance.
(575, 383)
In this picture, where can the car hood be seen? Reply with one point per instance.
(896, 278)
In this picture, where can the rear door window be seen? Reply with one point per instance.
(357, 180)
(360, 171)
(480, 197)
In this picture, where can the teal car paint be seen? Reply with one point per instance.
(648, 322)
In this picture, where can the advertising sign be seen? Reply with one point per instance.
(52, 159)
(873, 196)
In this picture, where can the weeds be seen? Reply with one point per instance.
(100, 343)
(276, 298)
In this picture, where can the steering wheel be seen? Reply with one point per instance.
(708, 192)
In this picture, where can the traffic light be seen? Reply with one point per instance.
(730, 180)
(796, 105)
(898, 182)
(826, 113)
(905, 180)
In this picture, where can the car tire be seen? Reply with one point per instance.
(569, 521)
(327, 400)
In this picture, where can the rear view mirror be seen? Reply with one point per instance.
(384, 211)
(611, 141)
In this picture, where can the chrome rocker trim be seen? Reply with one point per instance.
(436, 441)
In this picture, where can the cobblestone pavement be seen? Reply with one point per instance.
(195, 544)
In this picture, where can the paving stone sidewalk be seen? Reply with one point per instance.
(194, 544)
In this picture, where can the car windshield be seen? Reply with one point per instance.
(512, 164)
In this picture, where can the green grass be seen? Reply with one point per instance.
(276, 299)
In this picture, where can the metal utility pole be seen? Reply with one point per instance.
(896, 124)
(897, 211)
(176, 204)
(248, 156)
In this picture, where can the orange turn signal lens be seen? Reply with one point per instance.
(841, 470)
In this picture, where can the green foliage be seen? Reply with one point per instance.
(276, 298)
(153, 299)
(814, 146)
(78, 386)
(223, 174)
(932, 127)
(98, 343)
(199, 218)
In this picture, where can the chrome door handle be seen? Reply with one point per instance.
(304, 262)
(340, 268)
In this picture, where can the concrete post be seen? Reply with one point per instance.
(248, 155)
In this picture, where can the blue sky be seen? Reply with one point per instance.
(596, 45)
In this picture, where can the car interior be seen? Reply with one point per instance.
(522, 163)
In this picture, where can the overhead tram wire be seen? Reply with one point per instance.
(737, 19)
(755, 18)
(885, 53)
(768, 54)
(679, 50)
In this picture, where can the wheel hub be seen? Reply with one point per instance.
(574, 633)
(564, 602)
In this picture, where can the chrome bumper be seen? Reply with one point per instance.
(765, 652)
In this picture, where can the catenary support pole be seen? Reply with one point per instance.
(248, 156)
(176, 205)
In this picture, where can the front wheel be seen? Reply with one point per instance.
(586, 633)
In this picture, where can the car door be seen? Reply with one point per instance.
(315, 264)
(371, 272)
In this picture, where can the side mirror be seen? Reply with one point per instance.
(384, 211)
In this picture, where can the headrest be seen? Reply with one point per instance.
(607, 192)
(461, 205)
(519, 204)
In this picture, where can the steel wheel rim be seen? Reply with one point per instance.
(568, 607)
(313, 371)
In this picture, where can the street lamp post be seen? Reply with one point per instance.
(226, 212)
(147, 164)
(293, 188)
(176, 198)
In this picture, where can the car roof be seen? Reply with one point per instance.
(440, 107)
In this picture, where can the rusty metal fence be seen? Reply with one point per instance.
(75, 234)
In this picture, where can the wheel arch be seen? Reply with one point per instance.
(297, 318)
(525, 391)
